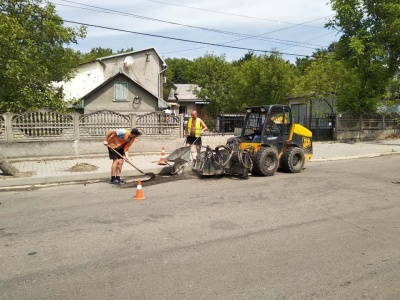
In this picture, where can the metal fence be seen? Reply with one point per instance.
(323, 128)
(227, 124)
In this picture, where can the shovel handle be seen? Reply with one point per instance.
(152, 175)
(124, 158)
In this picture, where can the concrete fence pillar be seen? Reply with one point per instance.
(8, 126)
(75, 124)
(181, 129)
(133, 120)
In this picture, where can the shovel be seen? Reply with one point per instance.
(152, 175)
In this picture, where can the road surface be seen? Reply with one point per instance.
(330, 232)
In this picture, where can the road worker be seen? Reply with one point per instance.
(119, 141)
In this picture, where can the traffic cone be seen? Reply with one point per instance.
(139, 192)
(162, 159)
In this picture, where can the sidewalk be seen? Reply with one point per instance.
(69, 169)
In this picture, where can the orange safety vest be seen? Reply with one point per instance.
(115, 142)
(197, 132)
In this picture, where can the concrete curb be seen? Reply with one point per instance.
(355, 156)
(23, 182)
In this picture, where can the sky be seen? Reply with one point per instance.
(192, 29)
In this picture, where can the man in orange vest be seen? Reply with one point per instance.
(120, 140)
(195, 127)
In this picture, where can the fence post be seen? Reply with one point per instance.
(75, 126)
(133, 120)
(335, 127)
(8, 126)
(181, 125)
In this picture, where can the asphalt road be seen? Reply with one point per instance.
(330, 232)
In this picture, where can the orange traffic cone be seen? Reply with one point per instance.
(162, 159)
(139, 192)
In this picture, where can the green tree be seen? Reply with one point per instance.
(326, 79)
(33, 55)
(369, 46)
(214, 75)
(130, 49)
(94, 54)
(248, 56)
(178, 70)
(393, 92)
(262, 80)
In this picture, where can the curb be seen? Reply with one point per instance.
(26, 182)
(23, 182)
(355, 156)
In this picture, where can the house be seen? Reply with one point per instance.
(304, 110)
(130, 82)
(183, 99)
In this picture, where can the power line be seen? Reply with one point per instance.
(229, 14)
(179, 39)
(244, 36)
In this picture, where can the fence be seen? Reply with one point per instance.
(226, 124)
(367, 126)
(43, 125)
(323, 128)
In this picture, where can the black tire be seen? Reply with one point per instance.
(178, 168)
(265, 162)
(293, 160)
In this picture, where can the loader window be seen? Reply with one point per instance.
(253, 125)
(276, 121)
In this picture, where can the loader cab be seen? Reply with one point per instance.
(268, 125)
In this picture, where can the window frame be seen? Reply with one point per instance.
(121, 87)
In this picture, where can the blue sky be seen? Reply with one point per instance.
(172, 27)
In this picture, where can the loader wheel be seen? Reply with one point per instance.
(292, 160)
(265, 162)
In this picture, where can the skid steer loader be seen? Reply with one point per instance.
(269, 140)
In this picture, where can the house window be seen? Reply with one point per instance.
(120, 91)
(183, 109)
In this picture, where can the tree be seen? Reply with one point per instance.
(130, 49)
(214, 75)
(262, 80)
(94, 54)
(178, 70)
(369, 45)
(326, 79)
(248, 56)
(393, 92)
(33, 55)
